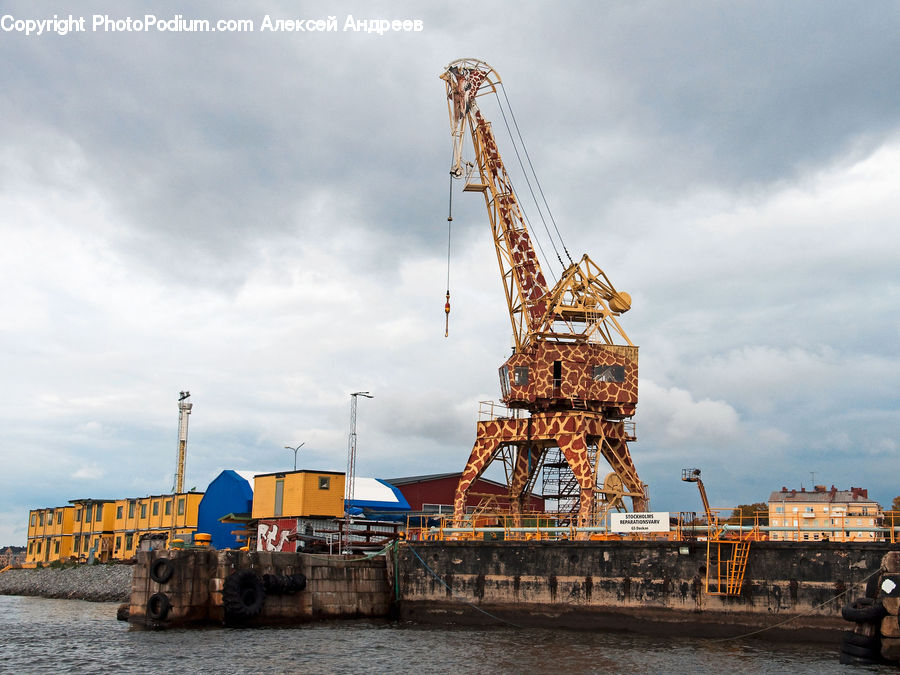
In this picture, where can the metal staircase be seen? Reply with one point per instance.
(726, 564)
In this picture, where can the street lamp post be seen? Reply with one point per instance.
(287, 447)
(349, 487)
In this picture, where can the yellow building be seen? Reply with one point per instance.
(92, 528)
(824, 515)
(109, 528)
(298, 494)
(172, 515)
(49, 535)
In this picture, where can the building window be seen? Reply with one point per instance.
(143, 510)
(118, 543)
(88, 513)
(59, 517)
(324, 483)
(129, 541)
(437, 508)
(608, 373)
(155, 508)
(779, 509)
(77, 515)
(119, 511)
(33, 519)
(131, 509)
(86, 538)
(520, 376)
(56, 547)
(181, 506)
(168, 507)
(41, 519)
(39, 547)
(279, 496)
(30, 547)
(77, 544)
(99, 512)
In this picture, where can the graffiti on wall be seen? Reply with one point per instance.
(272, 535)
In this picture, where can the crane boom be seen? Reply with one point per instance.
(523, 281)
(584, 304)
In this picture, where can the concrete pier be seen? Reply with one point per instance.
(642, 586)
(176, 588)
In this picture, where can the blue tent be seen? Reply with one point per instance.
(228, 493)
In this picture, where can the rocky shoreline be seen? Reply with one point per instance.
(96, 583)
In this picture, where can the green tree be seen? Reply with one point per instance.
(747, 514)
(895, 505)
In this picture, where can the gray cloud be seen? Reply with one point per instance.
(260, 218)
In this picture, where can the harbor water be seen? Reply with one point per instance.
(39, 635)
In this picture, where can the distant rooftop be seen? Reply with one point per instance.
(822, 494)
(407, 480)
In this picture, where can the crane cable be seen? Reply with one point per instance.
(449, 226)
(527, 181)
(534, 173)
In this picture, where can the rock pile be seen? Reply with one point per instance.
(97, 583)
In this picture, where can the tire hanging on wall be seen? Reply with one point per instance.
(863, 610)
(243, 595)
(853, 638)
(161, 570)
(158, 606)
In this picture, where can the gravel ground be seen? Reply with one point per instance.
(97, 583)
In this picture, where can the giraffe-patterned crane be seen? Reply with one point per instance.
(574, 369)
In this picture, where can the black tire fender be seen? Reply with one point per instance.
(853, 638)
(863, 610)
(243, 595)
(161, 570)
(862, 652)
(299, 582)
(158, 606)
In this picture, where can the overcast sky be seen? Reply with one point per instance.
(260, 218)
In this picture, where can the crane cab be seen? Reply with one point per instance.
(551, 376)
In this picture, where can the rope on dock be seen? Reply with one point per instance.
(798, 616)
(454, 595)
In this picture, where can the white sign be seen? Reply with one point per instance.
(642, 521)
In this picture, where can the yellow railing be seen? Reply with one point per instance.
(726, 525)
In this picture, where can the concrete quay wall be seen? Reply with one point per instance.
(336, 587)
(641, 586)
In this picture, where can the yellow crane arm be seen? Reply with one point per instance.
(523, 281)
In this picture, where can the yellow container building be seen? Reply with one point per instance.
(110, 528)
(49, 535)
(298, 494)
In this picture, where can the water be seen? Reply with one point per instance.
(39, 636)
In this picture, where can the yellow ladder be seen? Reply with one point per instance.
(725, 574)
(735, 569)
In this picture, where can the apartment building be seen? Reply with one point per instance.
(824, 514)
